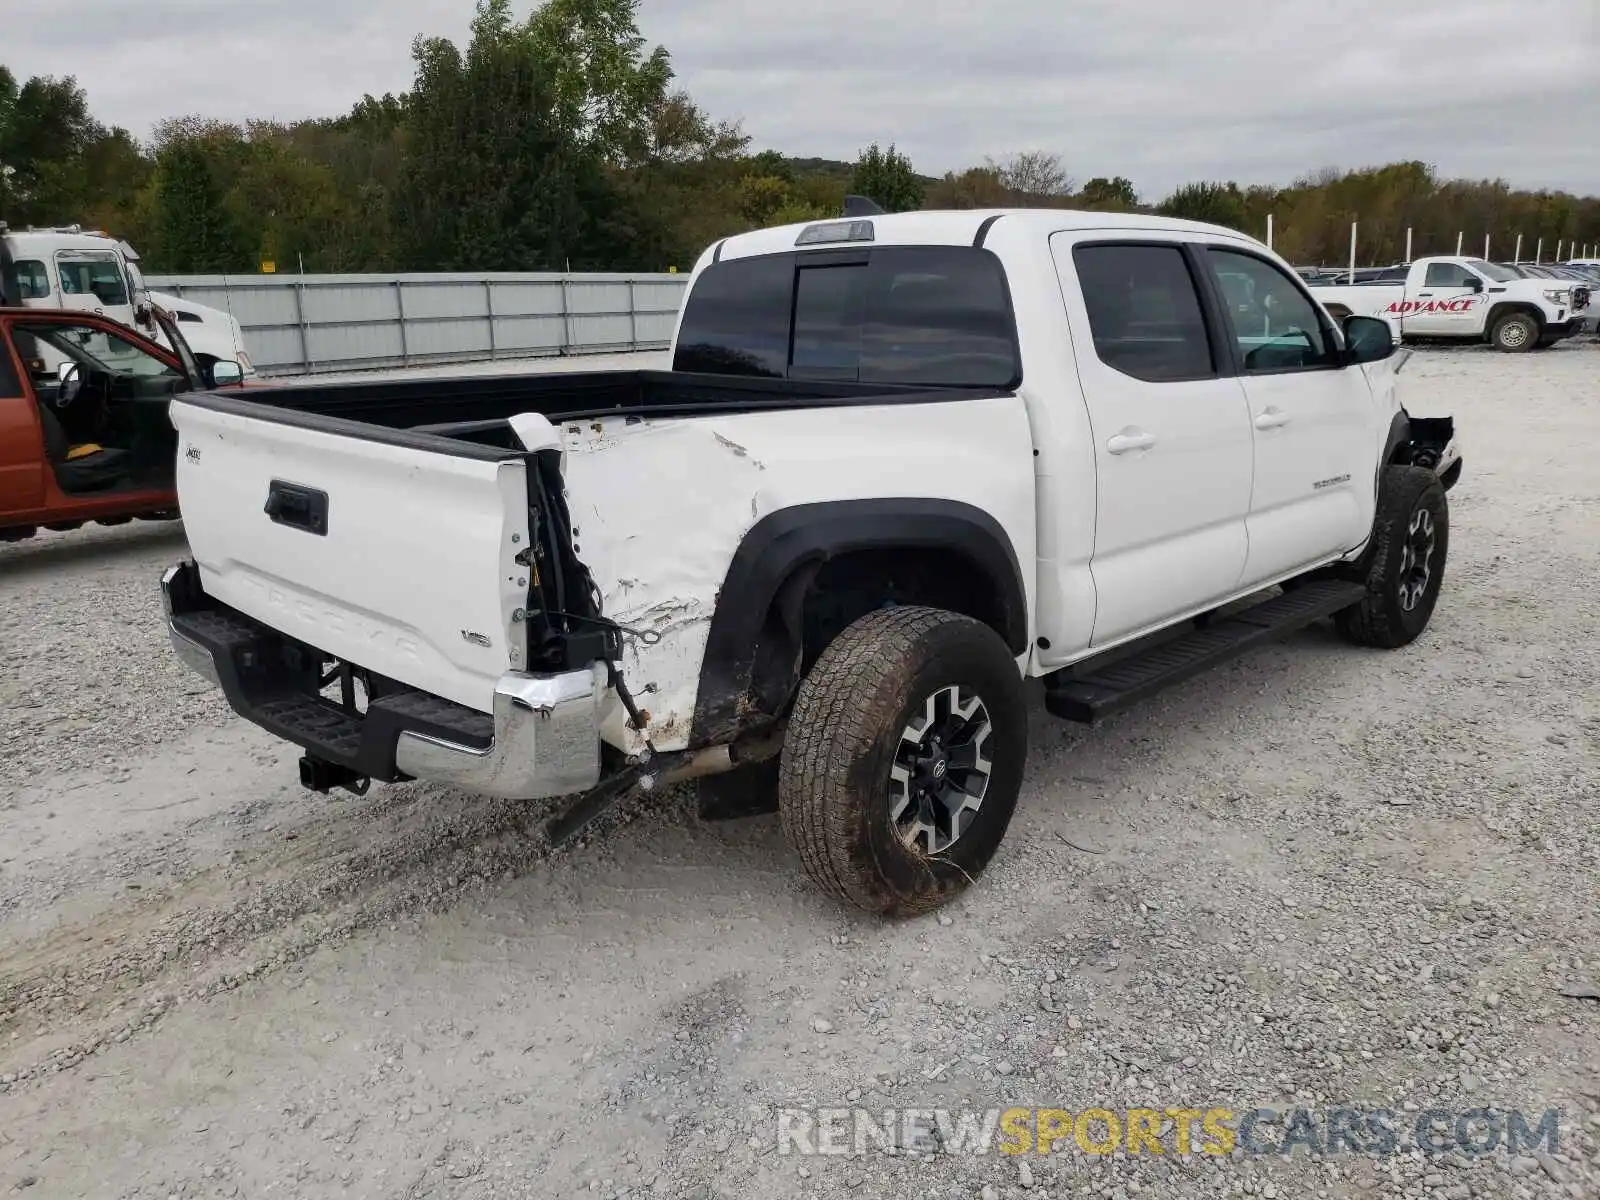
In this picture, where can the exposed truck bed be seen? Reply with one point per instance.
(475, 409)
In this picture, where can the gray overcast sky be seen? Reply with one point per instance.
(1163, 92)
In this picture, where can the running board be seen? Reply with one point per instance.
(1087, 692)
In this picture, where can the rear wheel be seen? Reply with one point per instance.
(1515, 332)
(1405, 564)
(903, 759)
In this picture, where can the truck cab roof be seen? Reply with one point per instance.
(947, 227)
(49, 241)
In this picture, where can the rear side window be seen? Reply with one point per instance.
(33, 281)
(1144, 311)
(920, 315)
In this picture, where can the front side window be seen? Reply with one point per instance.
(1274, 323)
(934, 316)
(98, 350)
(1447, 274)
(1144, 311)
(99, 276)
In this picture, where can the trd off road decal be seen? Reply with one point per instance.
(1411, 308)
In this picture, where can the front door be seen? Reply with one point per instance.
(21, 448)
(1450, 303)
(1313, 419)
(1172, 437)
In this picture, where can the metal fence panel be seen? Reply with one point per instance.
(305, 324)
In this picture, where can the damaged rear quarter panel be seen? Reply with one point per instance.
(660, 506)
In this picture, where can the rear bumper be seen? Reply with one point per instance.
(541, 740)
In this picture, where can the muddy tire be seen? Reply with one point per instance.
(903, 759)
(1515, 333)
(1405, 564)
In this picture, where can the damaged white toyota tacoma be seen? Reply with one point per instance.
(900, 465)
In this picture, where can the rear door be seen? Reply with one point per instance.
(1312, 418)
(1172, 433)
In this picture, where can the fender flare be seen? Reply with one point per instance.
(1500, 307)
(1399, 434)
(775, 563)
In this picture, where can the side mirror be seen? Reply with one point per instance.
(1475, 284)
(225, 372)
(143, 316)
(1368, 339)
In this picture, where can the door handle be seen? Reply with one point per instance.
(297, 507)
(1130, 439)
(1424, 293)
(1272, 418)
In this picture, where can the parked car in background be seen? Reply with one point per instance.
(91, 271)
(90, 439)
(1465, 299)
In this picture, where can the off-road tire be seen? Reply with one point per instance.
(834, 790)
(1515, 333)
(1383, 618)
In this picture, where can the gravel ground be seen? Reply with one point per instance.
(1316, 877)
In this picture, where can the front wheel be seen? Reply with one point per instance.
(1515, 332)
(1410, 541)
(903, 759)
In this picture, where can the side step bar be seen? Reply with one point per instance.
(1087, 692)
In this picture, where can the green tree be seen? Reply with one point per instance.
(1103, 193)
(886, 177)
(496, 176)
(606, 87)
(1214, 203)
(195, 231)
(45, 132)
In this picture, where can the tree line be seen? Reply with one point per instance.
(562, 142)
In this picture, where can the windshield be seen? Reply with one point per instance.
(99, 276)
(1493, 270)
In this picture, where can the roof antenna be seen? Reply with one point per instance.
(860, 206)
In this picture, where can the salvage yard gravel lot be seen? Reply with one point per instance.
(1318, 876)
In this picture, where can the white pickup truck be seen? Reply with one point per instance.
(901, 464)
(1463, 299)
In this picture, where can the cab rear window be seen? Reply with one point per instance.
(935, 316)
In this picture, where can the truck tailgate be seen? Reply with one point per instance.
(409, 571)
